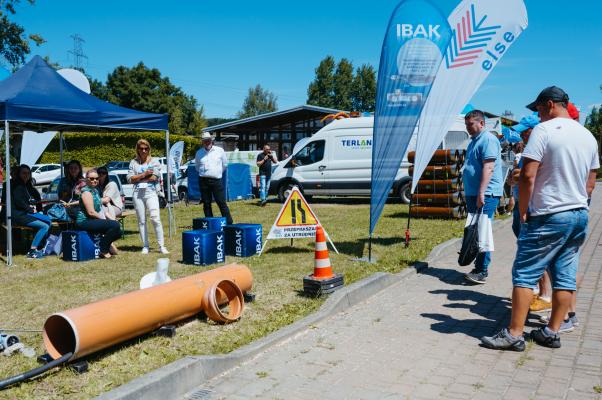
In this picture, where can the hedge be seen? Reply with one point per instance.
(94, 149)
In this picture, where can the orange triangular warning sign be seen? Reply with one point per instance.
(295, 220)
(296, 211)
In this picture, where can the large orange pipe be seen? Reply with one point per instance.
(437, 172)
(438, 185)
(87, 329)
(453, 212)
(441, 156)
(444, 198)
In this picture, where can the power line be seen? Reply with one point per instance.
(78, 52)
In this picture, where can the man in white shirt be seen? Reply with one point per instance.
(210, 162)
(558, 176)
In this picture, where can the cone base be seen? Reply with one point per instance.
(317, 287)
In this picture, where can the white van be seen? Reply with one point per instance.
(336, 161)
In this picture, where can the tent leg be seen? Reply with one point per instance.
(61, 151)
(370, 248)
(9, 225)
(169, 199)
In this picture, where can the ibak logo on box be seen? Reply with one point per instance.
(405, 31)
(222, 223)
(73, 247)
(238, 241)
(197, 250)
(258, 240)
(205, 225)
(220, 248)
(96, 240)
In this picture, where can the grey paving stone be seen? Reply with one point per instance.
(425, 343)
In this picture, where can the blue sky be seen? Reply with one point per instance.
(216, 50)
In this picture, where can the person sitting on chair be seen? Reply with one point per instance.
(90, 217)
(26, 202)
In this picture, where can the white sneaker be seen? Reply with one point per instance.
(145, 250)
(163, 250)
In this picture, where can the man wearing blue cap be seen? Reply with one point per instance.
(558, 175)
(543, 301)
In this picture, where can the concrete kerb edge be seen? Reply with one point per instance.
(182, 376)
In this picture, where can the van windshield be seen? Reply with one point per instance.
(311, 153)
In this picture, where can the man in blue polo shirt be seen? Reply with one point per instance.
(483, 183)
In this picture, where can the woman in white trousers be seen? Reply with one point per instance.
(144, 173)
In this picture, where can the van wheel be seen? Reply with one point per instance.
(405, 193)
(284, 191)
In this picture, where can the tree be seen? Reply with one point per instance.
(14, 44)
(364, 89)
(258, 101)
(145, 89)
(343, 85)
(321, 91)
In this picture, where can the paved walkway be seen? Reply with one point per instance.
(419, 339)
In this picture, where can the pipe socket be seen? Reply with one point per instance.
(234, 296)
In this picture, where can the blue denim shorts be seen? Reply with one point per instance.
(550, 242)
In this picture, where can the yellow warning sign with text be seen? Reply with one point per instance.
(296, 212)
(295, 220)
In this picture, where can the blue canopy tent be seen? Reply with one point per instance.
(37, 98)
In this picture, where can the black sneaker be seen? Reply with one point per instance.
(543, 339)
(476, 277)
(503, 341)
(36, 254)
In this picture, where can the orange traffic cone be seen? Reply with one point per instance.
(322, 267)
(323, 280)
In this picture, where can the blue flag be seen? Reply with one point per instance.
(415, 41)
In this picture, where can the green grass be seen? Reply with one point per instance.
(33, 289)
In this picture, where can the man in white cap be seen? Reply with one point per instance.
(210, 163)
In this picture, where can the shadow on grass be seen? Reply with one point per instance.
(360, 246)
(99, 355)
(285, 250)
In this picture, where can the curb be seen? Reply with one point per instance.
(182, 376)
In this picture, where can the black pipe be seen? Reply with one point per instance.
(34, 372)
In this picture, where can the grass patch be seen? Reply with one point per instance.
(34, 289)
(597, 389)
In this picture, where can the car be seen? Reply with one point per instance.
(336, 161)
(128, 188)
(111, 165)
(42, 174)
(50, 192)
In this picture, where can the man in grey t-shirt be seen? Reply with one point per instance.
(558, 175)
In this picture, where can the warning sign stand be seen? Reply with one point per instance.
(295, 220)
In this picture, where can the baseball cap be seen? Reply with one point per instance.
(573, 112)
(528, 122)
(553, 93)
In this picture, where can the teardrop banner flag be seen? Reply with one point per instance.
(413, 48)
(482, 32)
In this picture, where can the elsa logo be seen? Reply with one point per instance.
(197, 250)
(220, 248)
(405, 31)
